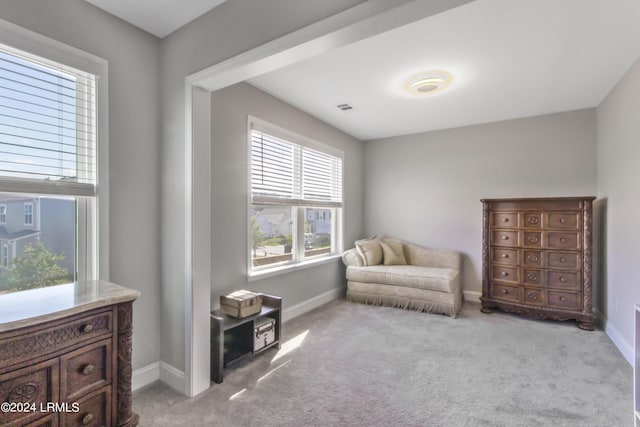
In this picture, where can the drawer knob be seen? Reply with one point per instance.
(563, 259)
(505, 237)
(504, 291)
(505, 219)
(88, 369)
(532, 258)
(87, 419)
(505, 256)
(563, 279)
(562, 298)
(504, 273)
(562, 239)
(87, 328)
(563, 220)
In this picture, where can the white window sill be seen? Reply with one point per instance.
(283, 269)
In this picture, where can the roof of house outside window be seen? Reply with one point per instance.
(16, 235)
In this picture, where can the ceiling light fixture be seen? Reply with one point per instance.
(427, 82)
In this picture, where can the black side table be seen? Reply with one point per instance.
(232, 340)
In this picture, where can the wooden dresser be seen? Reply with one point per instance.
(65, 356)
(536, 258)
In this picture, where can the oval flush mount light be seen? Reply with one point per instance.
(427, 82)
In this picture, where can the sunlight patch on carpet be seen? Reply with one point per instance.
(290, 345)
(273, 370)
(237, 394)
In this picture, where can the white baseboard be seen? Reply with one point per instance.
(172, 377)
(310, 304)
(144, 376)
(618, 340)
(472, 296)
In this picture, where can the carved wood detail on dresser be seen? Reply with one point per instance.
(67, 360)
(536, 258)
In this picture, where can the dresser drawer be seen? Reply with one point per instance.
(570, 300)
(505, 274)
(532, 258)
(55, 338)
(504, 238)
(505, 292)
(94, 410)
(532, 219)
(86, 369)
(34, 385)
(532, 239)
(504, 220)
(565, 260)
(505, 256)
(533, 277)
(564, 220)
(563, 279)
(533, 296)
(558, 240)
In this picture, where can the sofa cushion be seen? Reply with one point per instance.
(393, 253)
(370, 250)
(412, 276)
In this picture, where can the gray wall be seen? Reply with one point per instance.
(426, 188)
(228, 30)
(618, 177)
(229, 108)
(134, 142)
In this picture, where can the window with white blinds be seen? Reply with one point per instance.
(54, 172)
(287, 173)
(295, 205)
(47, 126)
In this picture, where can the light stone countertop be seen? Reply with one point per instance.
(35, 306)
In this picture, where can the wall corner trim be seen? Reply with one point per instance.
(472, 296)
(144, 376)
(158, 371)
(172, 377)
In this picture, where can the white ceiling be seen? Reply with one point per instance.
(158, 17)
(509, 59)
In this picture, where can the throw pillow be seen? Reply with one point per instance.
(370, 251)
(393, 253)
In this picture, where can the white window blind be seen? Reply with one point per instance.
(47, 126)
(283, 172)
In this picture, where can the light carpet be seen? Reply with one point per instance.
(356, 365)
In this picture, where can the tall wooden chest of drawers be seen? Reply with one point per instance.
(536, 258)
(65, 356)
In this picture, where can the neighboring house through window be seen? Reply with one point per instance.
(296, 198)
(49, 131)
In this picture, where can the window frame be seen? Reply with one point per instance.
(28, 213)
(3, 213)
(92, 216)
(298, 260)
(4, 257)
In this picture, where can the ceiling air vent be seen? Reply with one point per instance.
(345, 107)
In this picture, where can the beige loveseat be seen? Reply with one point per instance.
(414, 277)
